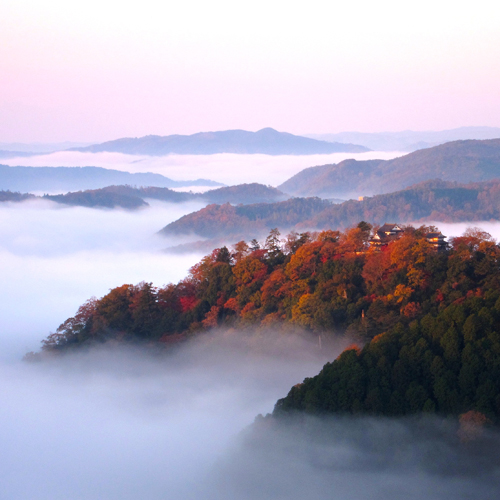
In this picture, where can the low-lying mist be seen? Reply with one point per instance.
(458, 228)
(122, 423)
(53, 258)
(126, 423)
(355, 458)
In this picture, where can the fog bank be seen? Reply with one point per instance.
(356, 458)
(53, 258)
(122, 423)
(126, 424)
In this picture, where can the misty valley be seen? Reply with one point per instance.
(333, 335)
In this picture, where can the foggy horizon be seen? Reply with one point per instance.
(62, 143)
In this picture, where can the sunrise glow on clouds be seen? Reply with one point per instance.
(93, 71)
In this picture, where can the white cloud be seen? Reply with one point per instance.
(124, 425)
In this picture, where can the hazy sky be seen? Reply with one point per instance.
(98, 70)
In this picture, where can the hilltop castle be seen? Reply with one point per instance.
(390, 232)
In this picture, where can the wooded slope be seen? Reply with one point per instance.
(431, 320)
(460, 161)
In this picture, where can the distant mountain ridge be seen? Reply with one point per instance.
(132, 198)
(460, 161)
(409, 140)
(80, 178)
(265, 141)
(15, 154)
(433, 201)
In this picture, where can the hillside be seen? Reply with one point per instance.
(265, 141)
(428, 201)
(244, 194)
(132, 198)
(99, 198)
(338, 180)
(79, 178)
(15, 196)
(227, 220)
(247, 207)
(460, 161)
(430, 320)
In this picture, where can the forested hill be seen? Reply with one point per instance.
(228, 220)
(14, 196)
(132, 198)
(460, 161)
(265, 141)
(432, 201)
(431, 320)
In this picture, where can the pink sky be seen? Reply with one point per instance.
(98, 70)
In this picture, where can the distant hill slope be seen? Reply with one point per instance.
(245, 194)
(227, 220)
(341, 179)
(132, 198)
(429, 201)
(99, 198)
(409, 140)
(461, 161)
(265, 141)
(78, 178)
(14, 196)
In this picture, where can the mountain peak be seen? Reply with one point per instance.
(265, 141)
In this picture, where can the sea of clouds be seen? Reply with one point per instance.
(54, 257)
(125, 424)
(227, 168)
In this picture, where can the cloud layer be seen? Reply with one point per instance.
(125, 424)
(226, 168)
(53, 258)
